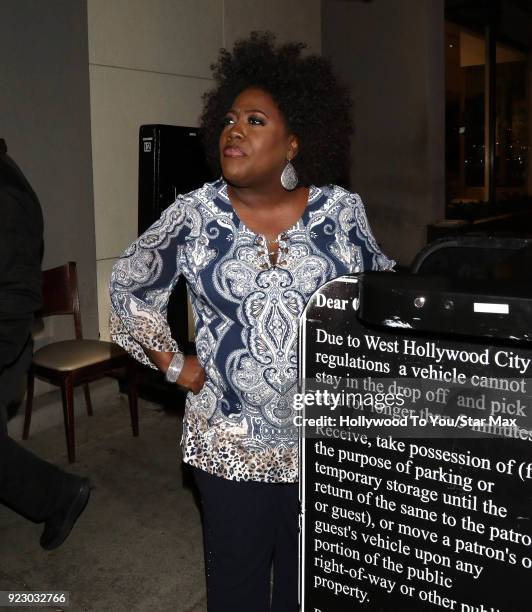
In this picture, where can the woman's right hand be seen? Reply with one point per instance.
(192, 375)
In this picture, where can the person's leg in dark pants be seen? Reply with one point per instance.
(238, 542)
(245, 525)
(13, 384)
(285, 558)
(40, 491)
(29, 485)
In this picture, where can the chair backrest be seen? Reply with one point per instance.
(60, 294)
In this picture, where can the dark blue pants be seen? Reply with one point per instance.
(28, 485)
(248, 527)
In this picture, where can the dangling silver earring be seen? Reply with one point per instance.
(289, 178)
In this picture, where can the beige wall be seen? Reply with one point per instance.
(149, 63)
(45, 119)
(390, 54)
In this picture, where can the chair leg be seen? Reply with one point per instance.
(87, 393)
(131, 372)
(67, 393)
(29, 404)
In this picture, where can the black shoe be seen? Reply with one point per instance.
(59, 525)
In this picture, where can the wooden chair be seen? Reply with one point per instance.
(70, 363)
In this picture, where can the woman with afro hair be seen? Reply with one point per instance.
(253, 245)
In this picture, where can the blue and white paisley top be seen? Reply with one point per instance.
(246, 313)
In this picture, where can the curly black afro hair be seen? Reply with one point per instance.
(315, 105)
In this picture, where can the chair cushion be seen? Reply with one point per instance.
(70, 355)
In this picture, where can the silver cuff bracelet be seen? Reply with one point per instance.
(175, 367)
